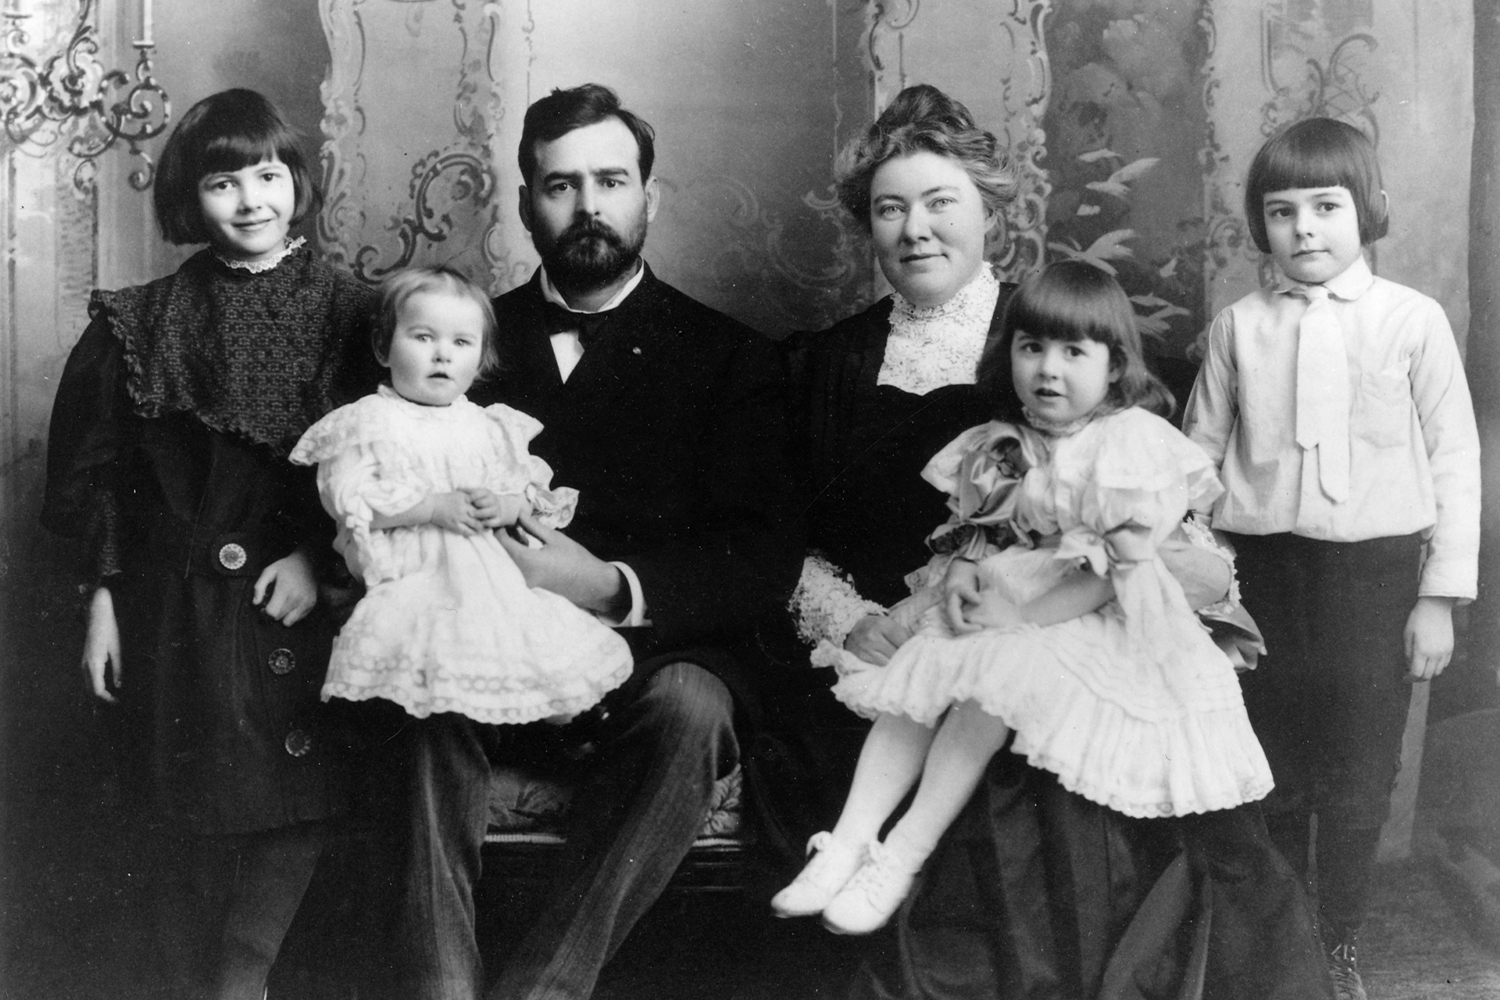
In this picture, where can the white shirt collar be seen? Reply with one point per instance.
(551, 294)
(1348, 285)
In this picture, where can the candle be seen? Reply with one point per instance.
(147, 23)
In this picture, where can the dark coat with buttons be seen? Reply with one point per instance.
(226, 730)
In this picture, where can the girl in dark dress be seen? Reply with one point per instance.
(1034, 892)
(167, 457)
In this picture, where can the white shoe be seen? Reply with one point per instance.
(869, 899)
(833, 865)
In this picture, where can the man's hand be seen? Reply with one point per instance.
(875, 638)
(1429, 637)
(101, 646)
(566, 568)
(293, 588)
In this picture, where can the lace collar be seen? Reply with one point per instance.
(388, 391)
(262, 266)
(930, 347)
(1062, 429)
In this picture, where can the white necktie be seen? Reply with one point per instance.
(1323, 392)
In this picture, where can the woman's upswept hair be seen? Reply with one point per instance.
(398, 288)
(225, 132)
(1317, 153)
(923, 119)
(1072, 300)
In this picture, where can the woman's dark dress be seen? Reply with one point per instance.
(1034, 892)
(167, 458)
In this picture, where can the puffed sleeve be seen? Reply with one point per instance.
(87, 449)
(520, 471)
(1145, 475)
(362, 471)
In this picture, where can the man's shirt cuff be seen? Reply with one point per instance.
(636, 617)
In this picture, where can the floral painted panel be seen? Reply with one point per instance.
(1125, 129)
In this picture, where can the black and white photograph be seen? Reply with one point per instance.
(750, 500)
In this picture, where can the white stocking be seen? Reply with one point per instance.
(966, 740)
(888, 766)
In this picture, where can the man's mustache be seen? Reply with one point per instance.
(588, 229)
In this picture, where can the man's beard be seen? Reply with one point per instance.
(590, 254)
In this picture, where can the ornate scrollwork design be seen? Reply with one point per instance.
(39, 99)
(884, 18)
(468, 180)
(1023, 237)
(1226, 235)
(1335, 88)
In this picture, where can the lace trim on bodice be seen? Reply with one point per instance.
(939, 345)
(262, 266)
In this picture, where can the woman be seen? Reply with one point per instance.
(1033, 891)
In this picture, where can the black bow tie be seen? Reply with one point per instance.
(588, 326)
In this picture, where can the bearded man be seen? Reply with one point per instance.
(669, 418)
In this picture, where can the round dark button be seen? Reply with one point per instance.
(281, 661)
(232, 556)
(298, 743)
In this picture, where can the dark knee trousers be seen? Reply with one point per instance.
(1329, 700)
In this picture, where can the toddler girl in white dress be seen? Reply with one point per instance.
(1049, 614)
(419, 480)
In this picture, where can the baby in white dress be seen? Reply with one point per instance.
(420, 480)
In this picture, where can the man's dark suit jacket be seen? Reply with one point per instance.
(673, 429)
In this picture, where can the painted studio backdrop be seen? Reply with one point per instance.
(1130, 125)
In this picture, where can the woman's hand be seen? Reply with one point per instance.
(875, 639)
(292, 587)
(101, 646)
(1429, 637)
(497, 510)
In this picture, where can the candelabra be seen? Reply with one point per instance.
(43, 99)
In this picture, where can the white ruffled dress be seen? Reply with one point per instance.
(447, 623)
(1132, 705)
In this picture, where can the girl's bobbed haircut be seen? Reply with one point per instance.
(1072, 300)
(398, 288)
(1317, 153)
(225, 132)
(923, 119)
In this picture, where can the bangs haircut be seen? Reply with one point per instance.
(1072, 300)
(923, 119)
(563, 111)
(398, 288)
(1317, 153)
(228, 131)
